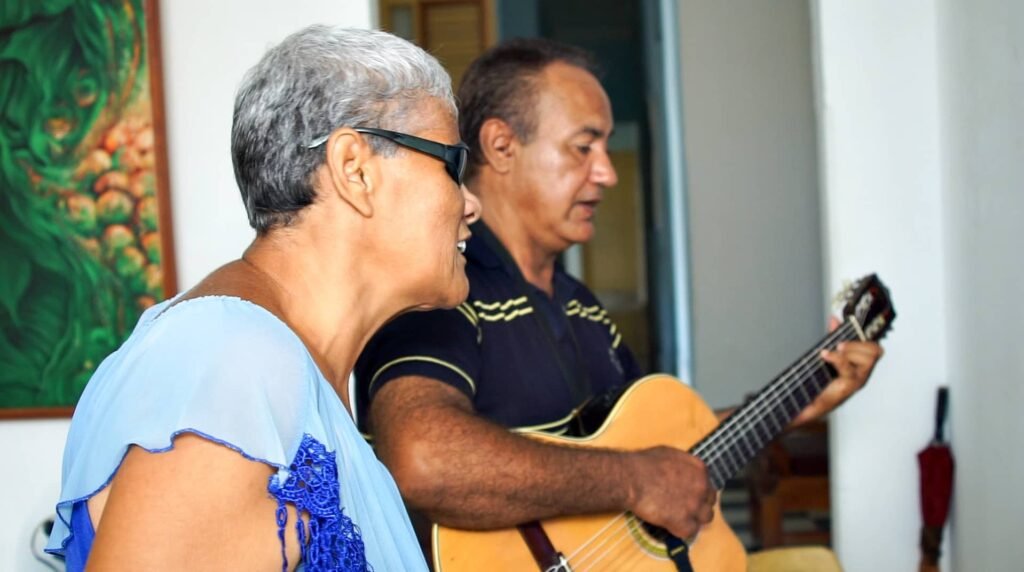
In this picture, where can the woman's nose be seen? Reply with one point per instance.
(471, 212)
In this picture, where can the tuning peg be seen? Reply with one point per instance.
(843, 296)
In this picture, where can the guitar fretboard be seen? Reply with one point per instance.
(744, 433)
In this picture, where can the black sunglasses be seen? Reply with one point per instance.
(455, 156)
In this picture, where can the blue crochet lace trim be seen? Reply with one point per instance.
(330, 541)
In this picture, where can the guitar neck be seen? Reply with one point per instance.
(744, 433)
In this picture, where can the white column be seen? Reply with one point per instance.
(983, 104)
(880, 129)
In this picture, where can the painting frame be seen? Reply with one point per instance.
(162, 194)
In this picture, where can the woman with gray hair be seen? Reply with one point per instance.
(219, 436)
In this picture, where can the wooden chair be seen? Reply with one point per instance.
(790, 475)
(799, 559)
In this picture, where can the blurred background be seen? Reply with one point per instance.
(767, 151)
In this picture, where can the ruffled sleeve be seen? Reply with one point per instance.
(221, 368)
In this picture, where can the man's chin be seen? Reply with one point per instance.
(582, 233)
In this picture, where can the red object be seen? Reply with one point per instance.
(936, 464)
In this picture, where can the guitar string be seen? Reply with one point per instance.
(613, 563)
(617, 560)
(781, 389)
(775, 396)
(630, 519)
(623, 560)
(600, 559)
(620, 563)
(599, 533)
(812, 359)
(619, 533)
(739, 429)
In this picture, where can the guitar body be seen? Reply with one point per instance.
(656, 410)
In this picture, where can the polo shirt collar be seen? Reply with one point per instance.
(483, 249)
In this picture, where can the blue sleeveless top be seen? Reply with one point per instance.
(229, 371)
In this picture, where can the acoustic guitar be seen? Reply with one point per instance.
(661, 410)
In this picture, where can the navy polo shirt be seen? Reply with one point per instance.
(526, 360)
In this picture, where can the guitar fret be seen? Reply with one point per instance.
(749, 451)
(758, 438)
(716, 478)
(745, 433)
(804, 397)
(734, 464)
(740, 437)
(745, 455)
(788, 401)
(763, 433)
(821, 377)
(781, 420)
(737, 452)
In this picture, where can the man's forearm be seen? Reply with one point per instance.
(466, 472)
(504, 480)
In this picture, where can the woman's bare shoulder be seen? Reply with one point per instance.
(199, 494)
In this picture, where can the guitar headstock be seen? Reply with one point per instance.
(867, 302)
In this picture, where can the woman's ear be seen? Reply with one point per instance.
(351, 169)
(498, 144)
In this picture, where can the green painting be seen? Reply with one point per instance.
(84, 225)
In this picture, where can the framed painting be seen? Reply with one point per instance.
(85, 233)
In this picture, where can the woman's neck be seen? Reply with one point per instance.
(333, 307)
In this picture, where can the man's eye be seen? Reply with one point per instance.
(584, 149)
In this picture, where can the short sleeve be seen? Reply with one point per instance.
(439, 344)
(220, 368)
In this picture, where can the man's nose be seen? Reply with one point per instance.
(603, 171)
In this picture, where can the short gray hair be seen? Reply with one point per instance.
(315, 81)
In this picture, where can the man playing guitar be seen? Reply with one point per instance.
(439, 391)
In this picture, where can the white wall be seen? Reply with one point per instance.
(982, 97)
(204, 59)
(207, 46)
(923, 168)
(752, 183)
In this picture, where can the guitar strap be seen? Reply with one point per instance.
(679, 553)
(576, 378)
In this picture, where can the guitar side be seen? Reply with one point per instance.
(656, 410)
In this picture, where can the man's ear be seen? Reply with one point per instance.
(498, 143)
(353, 172)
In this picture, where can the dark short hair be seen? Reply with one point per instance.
(502, 84)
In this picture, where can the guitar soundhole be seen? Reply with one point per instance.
(656, 532)
(650, 538)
